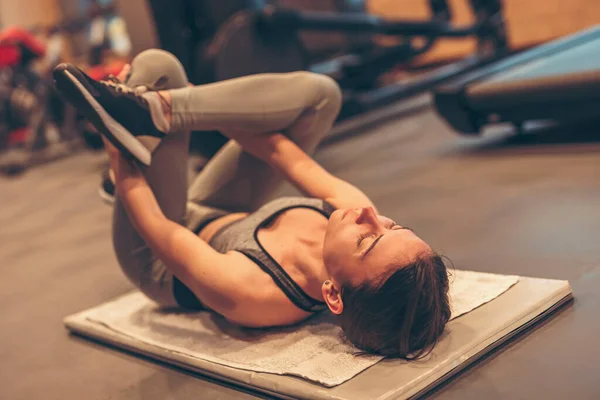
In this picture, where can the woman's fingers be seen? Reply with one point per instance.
(121, 166)
(122, 76)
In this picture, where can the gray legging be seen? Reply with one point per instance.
(301, 105)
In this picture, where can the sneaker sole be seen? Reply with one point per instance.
(106, 198)
(116, 133)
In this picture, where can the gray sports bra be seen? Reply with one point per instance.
(242, 235)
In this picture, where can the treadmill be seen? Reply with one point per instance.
(558, 82)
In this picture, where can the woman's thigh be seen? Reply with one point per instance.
(303, 106)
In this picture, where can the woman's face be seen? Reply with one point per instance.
(360, 246)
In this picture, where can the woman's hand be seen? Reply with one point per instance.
(122, 76)
(127, 174)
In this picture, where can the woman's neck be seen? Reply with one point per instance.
(308, 264)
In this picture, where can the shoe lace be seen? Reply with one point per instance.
(120, 87)
(137, 91)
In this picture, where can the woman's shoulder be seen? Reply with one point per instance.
(299, 201)
(263, 303)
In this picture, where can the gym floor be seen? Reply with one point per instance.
(527, 206)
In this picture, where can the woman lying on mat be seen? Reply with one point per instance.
(220, 245)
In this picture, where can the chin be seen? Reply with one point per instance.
(334, 215)
(331, 239)
(331, 223)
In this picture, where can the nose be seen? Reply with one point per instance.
(367, 216)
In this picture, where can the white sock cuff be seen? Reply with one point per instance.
(156, 111)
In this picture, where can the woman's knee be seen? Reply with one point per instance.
(321, 91)
(158, 70)
(331, 91)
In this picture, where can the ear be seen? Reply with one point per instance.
(333, 297)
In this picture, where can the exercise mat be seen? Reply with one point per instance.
(311, 360)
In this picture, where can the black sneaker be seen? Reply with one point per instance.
(116, 110)
(107, 188)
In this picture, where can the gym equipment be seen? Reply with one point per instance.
(36, 126)
(558, 81)
(250, 37)
(187, 27)
(314, 351)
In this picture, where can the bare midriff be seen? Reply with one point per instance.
(209, 230)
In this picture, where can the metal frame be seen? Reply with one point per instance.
(362, 70)
(358, 72)
(454, 103)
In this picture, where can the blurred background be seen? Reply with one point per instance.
(475, 122)
(102, 35)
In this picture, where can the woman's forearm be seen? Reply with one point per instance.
(292, 162)
(137, 197)
(303, 171)
(162, 235)
(347, 195)
(140, 203)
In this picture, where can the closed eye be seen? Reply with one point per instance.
(396, 228)
(363, 237)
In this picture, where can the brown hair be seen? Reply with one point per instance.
(402, 317)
